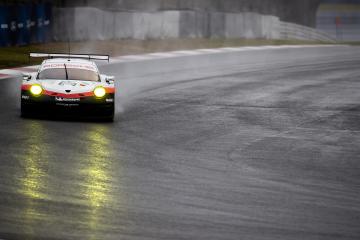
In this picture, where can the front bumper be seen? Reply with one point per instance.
(46, 105)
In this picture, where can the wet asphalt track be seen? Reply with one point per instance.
(265, 152)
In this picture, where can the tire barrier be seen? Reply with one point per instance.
(22, 24)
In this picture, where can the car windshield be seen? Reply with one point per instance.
(68, 73)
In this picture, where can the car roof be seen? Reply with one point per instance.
(75, 63)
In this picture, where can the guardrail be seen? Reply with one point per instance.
(295, 31)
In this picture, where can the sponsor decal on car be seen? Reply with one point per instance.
(69, 65)
(67, 104)
(61, 99)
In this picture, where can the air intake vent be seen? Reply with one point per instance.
(68, 91)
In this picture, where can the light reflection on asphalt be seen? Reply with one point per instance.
(33, 183)
(35, 161)
(90, 168)
(96, 172)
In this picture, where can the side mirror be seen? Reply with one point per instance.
(26, 76)
(110, 79)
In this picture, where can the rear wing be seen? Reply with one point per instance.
(64, 55)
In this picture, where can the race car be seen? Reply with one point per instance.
(68, 84)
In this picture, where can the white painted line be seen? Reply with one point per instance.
(6, 73)
(4, 76)
(10, 72)
(187, 52)
(134, 57)
(161, 54)
(219, 50)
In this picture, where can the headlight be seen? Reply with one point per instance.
(36, 90)
(99, 92)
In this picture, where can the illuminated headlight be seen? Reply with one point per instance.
(99, 92)
(36, 90)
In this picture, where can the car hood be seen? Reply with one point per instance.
(68, 86)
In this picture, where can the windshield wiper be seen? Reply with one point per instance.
(66, 72)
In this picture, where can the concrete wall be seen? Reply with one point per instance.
(155, 25)
(194, 24)
(78, 24)
(88, 23)
(297, 11)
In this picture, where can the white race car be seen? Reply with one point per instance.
(68, 84)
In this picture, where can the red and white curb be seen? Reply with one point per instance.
(15, 72)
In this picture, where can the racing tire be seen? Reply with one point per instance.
(111, 117)
(25, 111)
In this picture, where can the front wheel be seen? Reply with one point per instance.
(25, 110)
(110, 118)
(110, 115)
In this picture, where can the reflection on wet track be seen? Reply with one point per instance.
(33, 181)
(89, 188)
(95, 168)
(266, 153)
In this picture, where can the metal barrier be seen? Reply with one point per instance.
(22, 24)
(40, 29)
(4, 27)
(47, 22)
(23, 28)
(12, 23)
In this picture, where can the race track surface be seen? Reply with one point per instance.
(266, 150)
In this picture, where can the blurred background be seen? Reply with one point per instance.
(25, 22)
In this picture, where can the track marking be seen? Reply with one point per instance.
(27, 69)
(4, 76)
(8, 73)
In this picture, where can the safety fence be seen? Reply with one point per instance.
(22, 24)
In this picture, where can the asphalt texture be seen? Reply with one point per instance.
(266, 150)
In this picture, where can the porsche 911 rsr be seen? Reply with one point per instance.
(68, 85)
